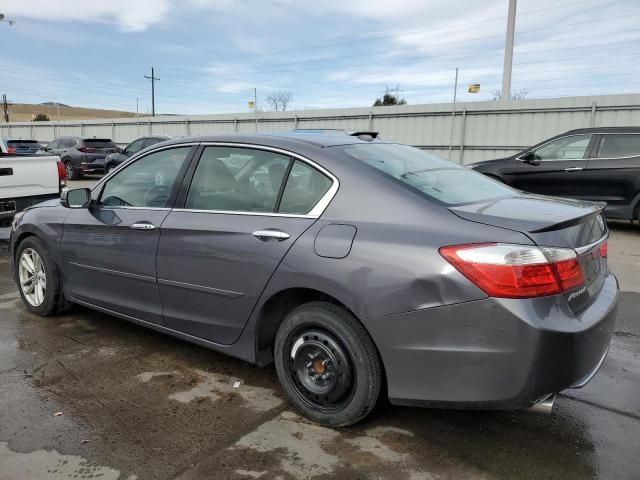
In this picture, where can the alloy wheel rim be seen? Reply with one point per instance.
(69, 170)
(33, 278)
(320, 369)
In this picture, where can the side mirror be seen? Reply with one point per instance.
(530, 157)
(76, 198)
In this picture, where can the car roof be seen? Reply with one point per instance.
(281, 139)
(606, 130)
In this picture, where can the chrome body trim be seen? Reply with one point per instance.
(200, 288)
(116, 273)
(586, 248)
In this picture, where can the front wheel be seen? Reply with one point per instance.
(38, 279)
(328, 364)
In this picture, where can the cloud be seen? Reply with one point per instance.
(133, 16)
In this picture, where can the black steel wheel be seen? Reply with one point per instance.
(328, 364)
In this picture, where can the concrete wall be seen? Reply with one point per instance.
(482, 130)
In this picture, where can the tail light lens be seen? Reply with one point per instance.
(516, 271)
(62, 175)
(604, 250)
(11, 150)
(86, 149)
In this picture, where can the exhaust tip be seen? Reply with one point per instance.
(545, 405)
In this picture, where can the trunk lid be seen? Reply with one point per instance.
(553, 222)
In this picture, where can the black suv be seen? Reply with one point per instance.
(115, 159)
(599, 164)
(82, 154)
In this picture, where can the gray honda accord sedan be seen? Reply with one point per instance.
(359, 267)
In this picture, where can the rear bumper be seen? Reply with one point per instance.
(92, 165)
(494, 353)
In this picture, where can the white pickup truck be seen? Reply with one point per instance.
(28, 180)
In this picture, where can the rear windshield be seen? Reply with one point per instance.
(26, 143)
(432, 176)
(99, 142)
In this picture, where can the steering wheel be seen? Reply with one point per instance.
(156, 196)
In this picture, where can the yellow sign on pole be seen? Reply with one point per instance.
(474, 88)
(252, 104)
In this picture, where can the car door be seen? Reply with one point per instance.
(109, 249)
(613, 172)
(242, 211)
(556, 167)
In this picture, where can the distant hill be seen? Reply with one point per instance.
(24, 112)
(53, 104)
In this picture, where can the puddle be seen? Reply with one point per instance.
(307, 450)
(215, 386)
(52, 465)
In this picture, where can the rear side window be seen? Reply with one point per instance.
(67, 143)
(304, 189)
(237, 180)
(616, 146)
(429, 175)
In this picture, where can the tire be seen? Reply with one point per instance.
(52, 300)
(327, 364)
(72, 173)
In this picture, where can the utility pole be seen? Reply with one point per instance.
(453, 112)
(508, 51)
(5, 108)
(153, 79)
(255, 106)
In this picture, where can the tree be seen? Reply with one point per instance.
(515, 95)
(390, 97)
(41, 117)
(279, 100)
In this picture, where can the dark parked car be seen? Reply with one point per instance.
(350, 263)
(15, 147)
(82, 154)
(599, 164)
(115, 159)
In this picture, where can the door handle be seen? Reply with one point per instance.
(266, 235)
(143, 226)
(573, 169)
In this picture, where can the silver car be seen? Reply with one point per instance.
(360, 268)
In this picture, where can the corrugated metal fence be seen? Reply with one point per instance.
(481, 130)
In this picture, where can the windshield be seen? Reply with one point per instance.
(432, 176)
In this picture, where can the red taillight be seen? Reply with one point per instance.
(86, 149)
(516, 271)
(62, 175)
(604, 250)
(11, 150)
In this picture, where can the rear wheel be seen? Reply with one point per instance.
(72, 173)
(328, 364)
(38, 279)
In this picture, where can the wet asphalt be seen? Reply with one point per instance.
(85, 395)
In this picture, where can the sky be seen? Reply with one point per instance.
(211, 54)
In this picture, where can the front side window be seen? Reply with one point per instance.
(617, 146)
(237, 179)
(432, 176)
(147, 182)
(567, 148)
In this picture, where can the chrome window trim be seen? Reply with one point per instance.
(519, 158)
(586, 248)
(616, 158)
(315, 212)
